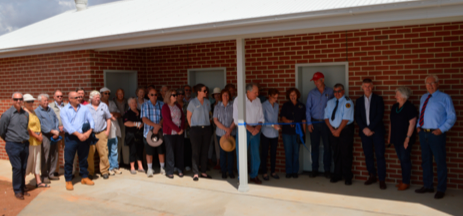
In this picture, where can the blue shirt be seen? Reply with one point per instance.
(271, 117)
(151, 112)
(345, 111)
(316, 103)
(200, 112)
(74, 120)
(100, 116)
(48, 119)
(439, 113)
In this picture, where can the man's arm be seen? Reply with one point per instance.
(451, 116)
(360, 103)
(308, 106)
(4, 121)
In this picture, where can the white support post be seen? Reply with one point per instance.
(241, 99)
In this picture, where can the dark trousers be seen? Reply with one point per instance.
(432, 145)
(49, 157)
(18, 154)
(73, 145)
(174, 153)
(226, 160)
(200, 139)
(136, 152)
(376, 140)
(187, 152)
(405, 161)
(343, 150)
(320, 131)
(267, 143)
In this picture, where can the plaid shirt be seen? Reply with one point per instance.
(153, 113)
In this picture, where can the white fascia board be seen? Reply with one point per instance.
(424, 12)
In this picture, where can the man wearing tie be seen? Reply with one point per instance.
(339, 116)
(369, 116)
(437, 116)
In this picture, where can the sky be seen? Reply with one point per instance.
(15, 14)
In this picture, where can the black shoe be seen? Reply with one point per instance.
(265, 177)
(313, 174)
(207, 176)
(275, 176)
(89, 176)
(19, 196)
(170, 176)
(232, 176)
(195, 179)
(55, 174)
(327, 175)
(224, 175)
(295, 175)
(371, 179)
(73, 176)
(334, 180)
(348, 182)
(288, 175)
(439, 195)
(105, 176)
(424, 190)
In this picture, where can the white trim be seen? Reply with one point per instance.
(346, 65)
(224, 69)
(407, 13)
(118, 71)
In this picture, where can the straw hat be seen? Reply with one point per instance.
(227, 143)
(154, 140)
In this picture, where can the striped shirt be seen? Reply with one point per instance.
(224, 115)
(153, 113)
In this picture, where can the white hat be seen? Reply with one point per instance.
(104, 89)
(28, 97)
(216, 90)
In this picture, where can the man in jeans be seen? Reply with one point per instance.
(315, 112)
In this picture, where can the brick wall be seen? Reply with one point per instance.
(394, 56)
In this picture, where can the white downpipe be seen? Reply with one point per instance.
(243, 151)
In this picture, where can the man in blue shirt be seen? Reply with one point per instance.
(76, 118)
(437, 116)
(315, 113)
(339, 116)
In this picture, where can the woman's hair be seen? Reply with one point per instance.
(291, 90)
(198, 87)
(168, 95)
(404, 91)
(273, 91)
(224, 91)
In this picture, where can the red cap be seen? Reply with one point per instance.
(317, 76)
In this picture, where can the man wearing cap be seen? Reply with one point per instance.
(152, 120)
(78, 126)
(315, 114)
(339, 117)
(13, 130)
(102, 120)
(114, 133)
(369, 117)
(437, 116)
(50, 128)
(254, 120)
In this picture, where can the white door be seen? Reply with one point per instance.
(126, 80)
(334, 73)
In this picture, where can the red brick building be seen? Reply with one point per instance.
(396, 46)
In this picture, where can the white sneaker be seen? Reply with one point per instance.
(117, 171)
(112, 172)
(150, 172)
(163, 171)
(187, 168)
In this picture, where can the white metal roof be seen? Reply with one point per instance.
(138, 18)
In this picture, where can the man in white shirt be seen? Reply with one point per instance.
(254, 120)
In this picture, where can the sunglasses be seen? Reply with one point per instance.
(78, 97)
(338, 91)
(18, 99)
(59, 96)
(107, 93)
(154, 95)
(173, 95)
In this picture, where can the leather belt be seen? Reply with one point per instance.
(428, 130)
(319, 120)
(201, 126)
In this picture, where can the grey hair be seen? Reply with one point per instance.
(12, 96)
(436, 79)
(131, 99)
(42, 96)
(249, 86)
(404, 91)
(93, 94)
(339, 85)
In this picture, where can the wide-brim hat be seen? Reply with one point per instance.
(216, 90)
(28, 97)
(228, 144)
(154, 140)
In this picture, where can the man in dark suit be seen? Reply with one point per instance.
(369, 117)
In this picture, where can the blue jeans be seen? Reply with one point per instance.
(405, 161)
(291, 153)
(112, 154)
(73, 145)
(18, 154)
(321, 131)
(226, 160)
(433, 145)
(253, 146)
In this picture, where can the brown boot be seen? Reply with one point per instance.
(69, 186)
(87, 181)
(372, 179)
(398, 185)
(403, 187)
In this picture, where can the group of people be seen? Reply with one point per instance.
(181, 130)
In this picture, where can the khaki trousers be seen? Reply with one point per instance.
(102, 147)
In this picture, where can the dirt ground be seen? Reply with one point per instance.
(9, 205)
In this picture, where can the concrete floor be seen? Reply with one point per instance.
(128, 194)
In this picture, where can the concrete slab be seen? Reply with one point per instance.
(138, 195)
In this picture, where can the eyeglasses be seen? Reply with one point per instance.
(338, 91)
(173, 95)
(154, 95)
(431, 83)
(59, 96)
(78, 97)
(107, 93)
(18, 99)
(29, 101)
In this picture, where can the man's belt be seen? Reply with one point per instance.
(318, 120)
(200, 126)
(428, 130)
